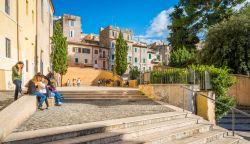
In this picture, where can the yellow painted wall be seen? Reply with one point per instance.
(27, 38)
(206, 107)
(88, 76)
(133, 83)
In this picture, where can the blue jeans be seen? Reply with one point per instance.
(42, 98)
(18, 89)
(58, 97)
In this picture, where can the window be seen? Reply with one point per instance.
(7, 6)
(149, 56)
(85, 61)
(103, 54)
(27, 66)
(86, 50)
(144, 60)
(128, 37)
(96, 51)
(42, 5)
(113, 33)
(71, 33)
(135, 49)
(136, 60)
(113, 57)
(95, 61)
(27, 7)
(33, 16)
(130, 58)
(8, 47)
(71, 23)
(144, 68)
(76, 60)
(113, 45)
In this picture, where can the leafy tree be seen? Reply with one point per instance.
(228, 43)
(121, 53)
(191, 18)
(181, 35)
(134, 73)
(181, 58)
(59, 53)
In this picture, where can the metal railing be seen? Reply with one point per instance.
(233, 110)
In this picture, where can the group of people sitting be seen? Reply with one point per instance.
(42, 87)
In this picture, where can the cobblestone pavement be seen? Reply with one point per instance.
(84, 111)
(6, 98)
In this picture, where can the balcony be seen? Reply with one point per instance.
(103, 57)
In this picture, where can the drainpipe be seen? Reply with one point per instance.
(36, 46)
(17, 21)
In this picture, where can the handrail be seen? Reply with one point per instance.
(242, 112)
(225, 105)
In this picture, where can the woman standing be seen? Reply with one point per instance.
(17, 78)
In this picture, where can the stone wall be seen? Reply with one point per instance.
(15, 114)
(173, 94)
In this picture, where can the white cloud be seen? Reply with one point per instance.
(238, 7)
(158, 27)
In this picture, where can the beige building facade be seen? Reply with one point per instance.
(21, 37)
(108, 37)
(84, 50)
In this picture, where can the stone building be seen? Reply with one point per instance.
(138, 56)
(25, 30)
(162, 52)
(108, 37)
(84, 50)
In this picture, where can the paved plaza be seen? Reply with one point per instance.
(85, 111)
(6, 98)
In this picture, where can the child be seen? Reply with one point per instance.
(56, 94)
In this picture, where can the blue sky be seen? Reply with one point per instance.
(146, 18)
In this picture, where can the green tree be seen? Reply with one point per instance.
(191, 18)
(134, 73)
(181, 35)
(181, 57)
(121, 53)
(228, 43)
(59, 53)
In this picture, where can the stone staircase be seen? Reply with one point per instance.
(242, 122)
(163, 128)
(105, 95)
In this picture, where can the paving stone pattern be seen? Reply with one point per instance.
(6, 98)
(84, 111)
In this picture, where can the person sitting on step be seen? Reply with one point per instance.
(56, 94)
(33, 90)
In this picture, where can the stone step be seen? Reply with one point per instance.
(113, 136)
(66, 132)
(238, 127)
(156, 127)
(202, 138)
(229, 116)
(166, 136)
(99, 138)
(107, 98)
(77, 95)
(227, 140)
(99, 92)
(237, 121)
